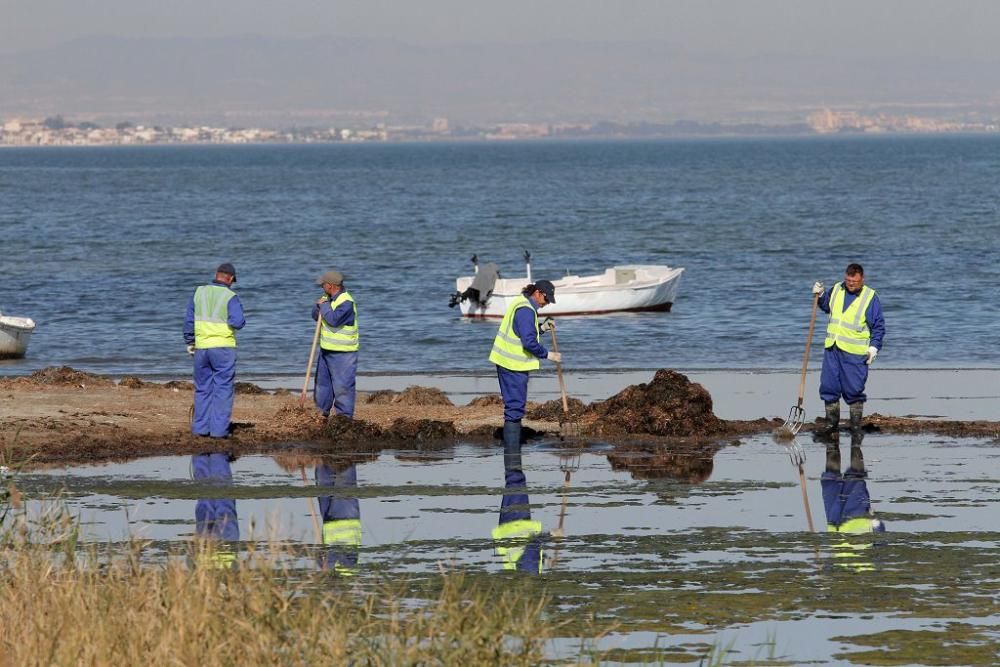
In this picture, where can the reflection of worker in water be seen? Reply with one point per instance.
(341, 517)
(215, 518)
(848, 505)
(516, 351)
(518, 540)
(853, 340)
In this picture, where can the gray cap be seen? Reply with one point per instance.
(332, 277)
(227, 268)
(548, 289)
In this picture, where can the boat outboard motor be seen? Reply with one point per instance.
(481, 288)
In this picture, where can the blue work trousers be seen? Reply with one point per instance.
(514, 390)
(335, 380)
(214, 376)
(843, 375)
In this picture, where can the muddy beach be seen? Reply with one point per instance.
(62, 416)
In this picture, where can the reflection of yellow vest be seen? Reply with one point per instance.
(211, 317)
(345, 338)
(856, 526)
(344, 533)
(508, 351)
(848, 329)
(511, 538)
(850, 555)
(218, 558)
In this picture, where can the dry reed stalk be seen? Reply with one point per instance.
(102, 608)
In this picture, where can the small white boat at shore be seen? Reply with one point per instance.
(625, 288)
(15, 332)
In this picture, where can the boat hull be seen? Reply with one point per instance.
(650, 289)
(15, 334)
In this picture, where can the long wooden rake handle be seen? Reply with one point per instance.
(559, 374)
(805, 355)
(312, 355)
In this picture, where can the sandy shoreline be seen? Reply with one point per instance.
(76, 417)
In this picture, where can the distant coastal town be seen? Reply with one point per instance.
(60, 131)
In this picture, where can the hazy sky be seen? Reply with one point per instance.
(947, 29)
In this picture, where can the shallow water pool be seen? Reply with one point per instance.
(680, 552)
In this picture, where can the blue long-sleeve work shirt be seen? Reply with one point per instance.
(341, 316)
(524, 327)
(873, 315)
(234, 315)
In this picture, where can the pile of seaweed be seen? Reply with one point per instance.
(409, 396)
(671, 406)
(59, 376)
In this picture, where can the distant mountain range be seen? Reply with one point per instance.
(262, 80)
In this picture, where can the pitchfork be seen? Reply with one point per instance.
(568, 425)
(797, 416)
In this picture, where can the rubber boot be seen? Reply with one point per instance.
(512, 445)
(511, 433)
(830, 431)
(857, 410)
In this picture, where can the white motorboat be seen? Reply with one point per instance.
(625, 288)
(15, 332)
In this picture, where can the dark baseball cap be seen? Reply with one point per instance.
(226, 267)
(548, 289)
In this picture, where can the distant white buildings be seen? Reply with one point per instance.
(52, 132)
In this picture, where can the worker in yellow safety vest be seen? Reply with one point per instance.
(337, 365)
(853, 339)
(214, 314)
(516, 352)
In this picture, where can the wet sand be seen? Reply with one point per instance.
(67, 417)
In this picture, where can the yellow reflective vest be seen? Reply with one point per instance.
(341, 339)
(512, 537)
(211, 317)
(848, 329)
(508, 351)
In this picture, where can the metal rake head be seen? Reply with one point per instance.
(796, 419)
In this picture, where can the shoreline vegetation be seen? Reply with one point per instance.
(61, 416)
(188, 611)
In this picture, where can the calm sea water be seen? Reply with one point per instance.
(103, 246)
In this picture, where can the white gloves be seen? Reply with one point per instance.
(548, 324)
(554, 357)
(817, 288)
(190, 349)
(872, 353)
